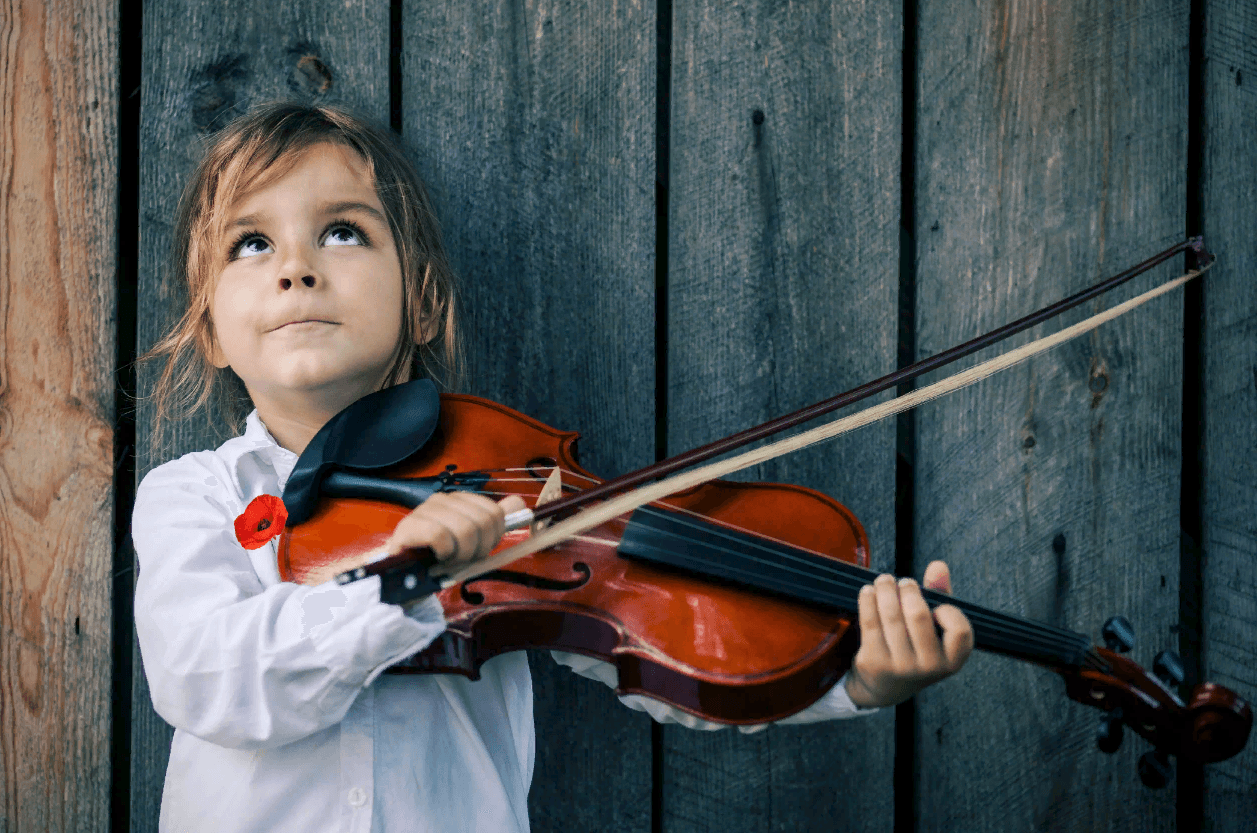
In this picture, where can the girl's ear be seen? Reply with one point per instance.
(427, 329)
(216, 356)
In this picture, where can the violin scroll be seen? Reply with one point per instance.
(1211, 725)
(1218, 723)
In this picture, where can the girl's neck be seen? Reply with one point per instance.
(295, 417)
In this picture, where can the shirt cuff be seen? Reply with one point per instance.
(426, 611)
(835, 704)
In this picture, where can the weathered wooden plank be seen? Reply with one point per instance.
(782, 288)
(1050, 153)
(304, 50)
(58, 224)
(1230, 391)
(534, 124)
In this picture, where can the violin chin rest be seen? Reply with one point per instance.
(379, 430)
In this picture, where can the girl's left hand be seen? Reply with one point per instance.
(900, 653)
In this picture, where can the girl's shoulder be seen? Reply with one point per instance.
(198, 487)
(193, 467)
(241, 467)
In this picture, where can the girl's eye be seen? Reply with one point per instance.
(241, 248)
(346, 234)
(340, 233)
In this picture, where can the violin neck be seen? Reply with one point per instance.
(691, 544)
(1012, 636)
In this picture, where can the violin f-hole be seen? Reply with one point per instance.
(472, 597)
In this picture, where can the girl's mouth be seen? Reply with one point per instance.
(305, 323)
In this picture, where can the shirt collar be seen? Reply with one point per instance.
(257, 440)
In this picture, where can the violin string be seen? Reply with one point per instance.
(735, 566)
(1000, 631)
(997, 626)
(566, 476)
(865, 576)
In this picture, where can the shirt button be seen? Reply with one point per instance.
(357, 797)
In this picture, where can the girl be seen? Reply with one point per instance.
(316, 274)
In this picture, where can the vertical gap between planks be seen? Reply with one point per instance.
(1190, 777)
(663, 138)
(395, 66)
(130, 36)
(904, 777)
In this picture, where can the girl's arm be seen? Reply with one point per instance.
(230, 660)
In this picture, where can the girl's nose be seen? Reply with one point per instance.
(286, 283)
(298, 268)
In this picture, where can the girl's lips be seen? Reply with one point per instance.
(304, 321)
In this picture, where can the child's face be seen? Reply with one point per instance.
(301, 263)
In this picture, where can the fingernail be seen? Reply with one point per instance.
(906, 582)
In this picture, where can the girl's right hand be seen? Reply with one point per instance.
(459, 527)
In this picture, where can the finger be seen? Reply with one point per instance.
(476, 522)
(511, 503)
(418, 530)
(920, 624)
(937, 577)
(871, 638)
(490, 517)
(957, 636)
(894, 630)
(445, 523)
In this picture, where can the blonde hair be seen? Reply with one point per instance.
(250, 152)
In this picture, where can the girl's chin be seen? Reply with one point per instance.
(317, 385)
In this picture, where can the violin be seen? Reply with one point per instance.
(733, 601)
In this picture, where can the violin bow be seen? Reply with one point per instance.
(627, 501)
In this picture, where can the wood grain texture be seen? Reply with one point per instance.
(533, 123)
(1230, 388)
(58, 227)
(1051, 147)
(782, 291)
(234, 58)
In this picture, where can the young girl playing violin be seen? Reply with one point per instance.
(316, 275)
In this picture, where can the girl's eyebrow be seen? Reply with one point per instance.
(326, 208)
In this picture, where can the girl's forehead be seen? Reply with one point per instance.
(335, 165)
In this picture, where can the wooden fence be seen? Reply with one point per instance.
(673, 221)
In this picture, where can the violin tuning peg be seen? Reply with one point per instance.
(1168, 668)
(1154, 769)
(1118, 634)
(1109, 733)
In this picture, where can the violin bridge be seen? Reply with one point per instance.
(551, 491)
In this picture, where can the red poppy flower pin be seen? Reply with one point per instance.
(261, 520)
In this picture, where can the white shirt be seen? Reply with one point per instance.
(282, 719)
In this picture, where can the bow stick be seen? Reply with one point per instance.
(628, 501)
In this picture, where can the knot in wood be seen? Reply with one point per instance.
(311, 76)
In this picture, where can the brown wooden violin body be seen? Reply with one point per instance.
(720, 652)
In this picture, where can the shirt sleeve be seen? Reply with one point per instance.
(236, 663)
(833, 705)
